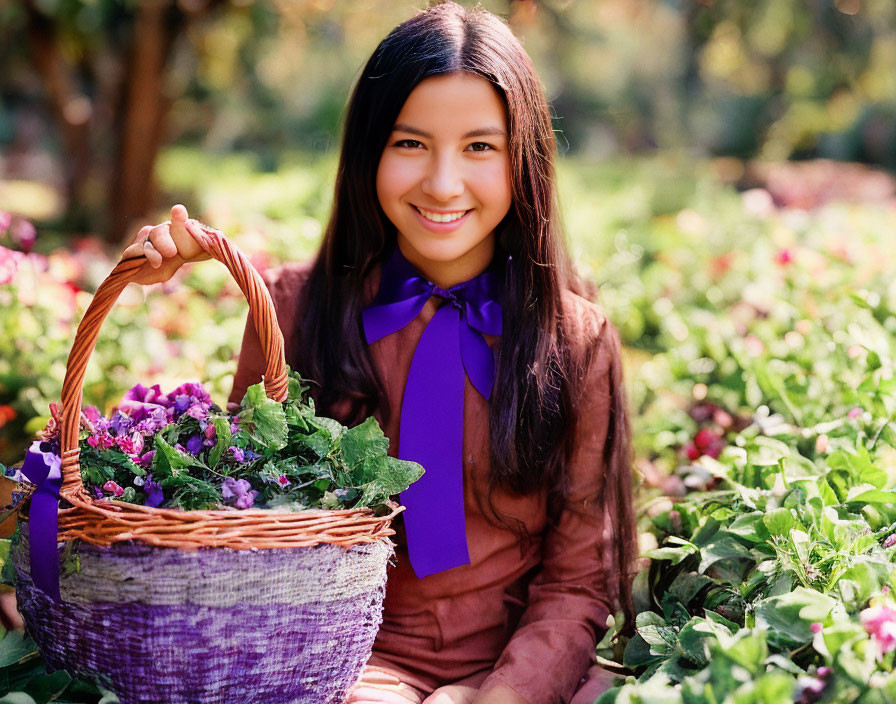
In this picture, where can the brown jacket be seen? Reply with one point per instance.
(530, 613)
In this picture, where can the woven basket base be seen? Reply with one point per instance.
(211, 626)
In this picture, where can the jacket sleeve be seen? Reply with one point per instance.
(569, 599)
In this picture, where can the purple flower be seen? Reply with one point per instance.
(211, 435)
(237, 453)
(120, 423)
(246, 501)
(145, 460)
(199, 411)
(238, 492)
(194, 445)
(142, 394)
(154, 495)
(152, 419)
(234, 428)
(195, 391)
(252, 455)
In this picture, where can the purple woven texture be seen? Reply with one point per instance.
(212, 626)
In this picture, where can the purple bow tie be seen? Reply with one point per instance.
(431, 429)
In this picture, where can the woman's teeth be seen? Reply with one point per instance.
(441, 217)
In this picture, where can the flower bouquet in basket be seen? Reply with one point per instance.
(202, 556)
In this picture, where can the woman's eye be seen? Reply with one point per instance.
(409, 143)
(480, 147)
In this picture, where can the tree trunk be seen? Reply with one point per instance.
(140, 130)
(71, 110)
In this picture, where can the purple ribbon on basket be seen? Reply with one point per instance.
(432, 409)
(43, 467)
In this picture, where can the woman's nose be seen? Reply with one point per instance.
(443, 180)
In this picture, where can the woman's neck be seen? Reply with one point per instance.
(450, 272)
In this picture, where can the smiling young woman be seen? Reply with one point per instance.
(444, 177)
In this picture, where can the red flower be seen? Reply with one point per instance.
(7, 413)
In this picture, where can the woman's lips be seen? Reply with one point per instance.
(435, 226)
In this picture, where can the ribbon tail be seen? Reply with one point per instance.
(431, 433)
(43, 469)
(479, 360)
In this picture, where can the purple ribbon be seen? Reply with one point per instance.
(43, 467)
(431, 429)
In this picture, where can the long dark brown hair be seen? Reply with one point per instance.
(532, 412)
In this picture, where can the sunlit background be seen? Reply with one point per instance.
(726, 179)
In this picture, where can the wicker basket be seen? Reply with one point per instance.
(204, 607)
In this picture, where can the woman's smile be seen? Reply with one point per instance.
(441, 219)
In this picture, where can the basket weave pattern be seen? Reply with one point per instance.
(205, 607)
(174, 626)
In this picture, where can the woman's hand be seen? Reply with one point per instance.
(452, 694)
(167, 247)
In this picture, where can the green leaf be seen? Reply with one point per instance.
(789, 616)
(16, 647)
(392, 477)
(363, 442)
(223, 437)
(320, 442)
(17, 698)
(168, 460)
(723, 547)
(46, 688)
(874, 496)
(779, 522)
(263, 418)
(637, 653)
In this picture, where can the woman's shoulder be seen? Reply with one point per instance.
(585, 322)
(287, 280)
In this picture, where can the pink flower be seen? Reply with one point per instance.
(113, 488)
(5, 220)
(890, 541)
(23, 234)
(9, 265)
(815, 627)
(283, 480)
(102, 441)
(784, 257)
(855, 412)
(880, 622)
(130, 444)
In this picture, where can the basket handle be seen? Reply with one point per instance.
(261, 308)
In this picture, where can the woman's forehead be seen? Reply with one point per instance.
(461, 105)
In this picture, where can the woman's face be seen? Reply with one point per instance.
(444, 177)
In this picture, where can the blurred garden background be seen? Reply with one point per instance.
(726, 176)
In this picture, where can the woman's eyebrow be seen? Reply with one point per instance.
(479, 132)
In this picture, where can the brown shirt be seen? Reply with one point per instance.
(529, 611)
